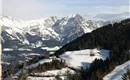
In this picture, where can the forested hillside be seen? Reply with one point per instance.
(114, 37)
(106, 37)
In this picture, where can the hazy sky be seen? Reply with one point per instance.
(34, 9)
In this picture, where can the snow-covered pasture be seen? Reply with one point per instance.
(83, 58)
(118, 72)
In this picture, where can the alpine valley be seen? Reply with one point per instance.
(68, 48)
(22, 40)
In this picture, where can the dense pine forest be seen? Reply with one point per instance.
(114, 37)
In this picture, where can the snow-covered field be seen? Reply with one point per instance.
(30, 54)
(7, 49)
(55, 72)
(80, 58)
(51, 73)
(20, 49)
(51, 48)
(74, 59)
(117, 73)
(40, 78)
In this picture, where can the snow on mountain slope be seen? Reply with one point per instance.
(47, 74)
(55, 72)
(40, 78)
(52, 73)
(83, 58)
(17, 29)
(39, 62)
(34, 65)
(47, 22)
(73, 26)
(117, 73)
(47, 32)
(12, 22)
(52, 28)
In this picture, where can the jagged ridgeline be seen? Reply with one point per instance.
(106, 37)
(50, 31)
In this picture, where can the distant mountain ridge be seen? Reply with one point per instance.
(36, 33)
(43, 32)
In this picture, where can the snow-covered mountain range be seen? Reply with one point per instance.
(21, 39)
(52, 31)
